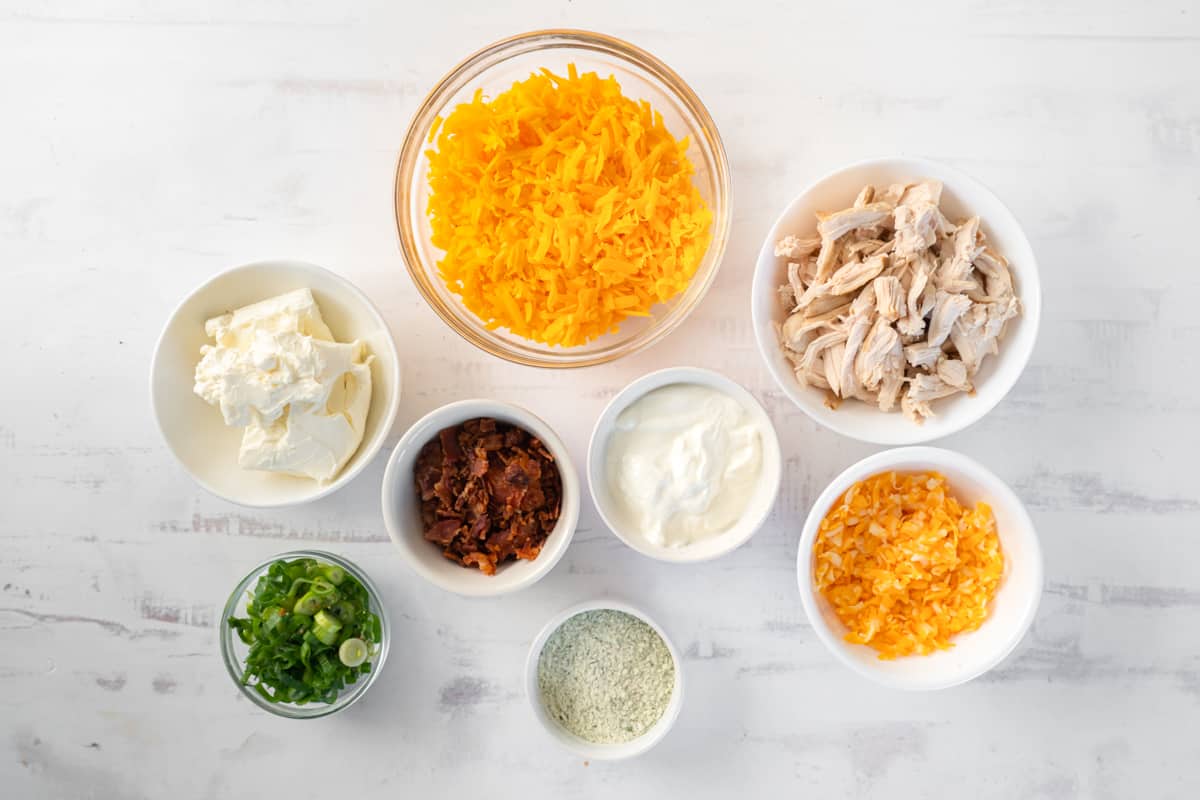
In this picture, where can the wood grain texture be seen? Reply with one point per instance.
(148, 145)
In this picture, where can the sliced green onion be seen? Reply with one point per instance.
(313, 601)
(272, 617)
(344, 610)
(326, 627)
(297, 583)
(352, 652)
(323, 587)
(334, 574)
(293, 656)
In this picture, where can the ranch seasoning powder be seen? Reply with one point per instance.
(605, 676)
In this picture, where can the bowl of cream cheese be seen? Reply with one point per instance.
(275, 383)
(684, 465)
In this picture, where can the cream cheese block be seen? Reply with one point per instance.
(277, 372)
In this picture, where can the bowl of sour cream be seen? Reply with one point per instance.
(684, 465)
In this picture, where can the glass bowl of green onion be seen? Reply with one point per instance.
(305, 634)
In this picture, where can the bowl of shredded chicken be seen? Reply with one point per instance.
(896, 301)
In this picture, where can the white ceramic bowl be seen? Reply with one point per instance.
(402, 507)
(1012, 610)
(577, 745)
(962, 197)
(194, 430)
(759, 506)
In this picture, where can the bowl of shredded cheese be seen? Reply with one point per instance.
(919, 568)
(562, 199)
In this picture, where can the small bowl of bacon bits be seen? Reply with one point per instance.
(919, 569)
(481, 497)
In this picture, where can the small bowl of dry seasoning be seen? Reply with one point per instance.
(604, 680)
(481, 497)
(562, 199)
(919, 568)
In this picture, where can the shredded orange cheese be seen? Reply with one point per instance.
(563, 207)
(906, 567)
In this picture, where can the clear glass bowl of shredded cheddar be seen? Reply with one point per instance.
(562, 199)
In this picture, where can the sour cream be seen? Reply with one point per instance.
(682, 463)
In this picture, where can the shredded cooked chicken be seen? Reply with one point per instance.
(891, 303)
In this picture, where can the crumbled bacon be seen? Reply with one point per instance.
(490, 493)
(443, 532)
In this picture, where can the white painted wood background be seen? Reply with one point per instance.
(146, 145)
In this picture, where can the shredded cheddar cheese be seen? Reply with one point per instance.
(906, 567)
(563, 207)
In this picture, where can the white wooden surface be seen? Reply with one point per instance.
(147, 145)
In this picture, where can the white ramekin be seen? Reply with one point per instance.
(759, 506)
(402, 506)
(577, 745)
(1012, 610)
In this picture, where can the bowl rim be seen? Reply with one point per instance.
(1030, 297)
(576, 744)
(315, 710)
(752, 520)
(936, 457)
(367, 450)
(413, 144)
(459, 411)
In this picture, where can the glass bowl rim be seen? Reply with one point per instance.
(412, 149)
(350, 694)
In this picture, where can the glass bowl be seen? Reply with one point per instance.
(494, 69)
(233, 649)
